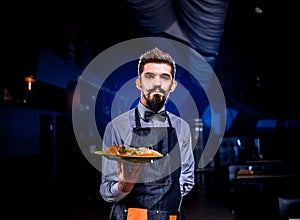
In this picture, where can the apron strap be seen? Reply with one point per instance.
(137, 118)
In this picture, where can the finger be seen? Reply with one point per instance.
(118, 167)
(137, 168)
(124, 174)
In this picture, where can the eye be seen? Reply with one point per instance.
(165, 76)
(149, 75)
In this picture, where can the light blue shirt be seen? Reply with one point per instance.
(119, 132)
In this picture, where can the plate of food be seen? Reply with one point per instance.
(131, 154)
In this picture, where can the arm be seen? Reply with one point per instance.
(109, 185)
(117, 179)
(187, 162)
(109, 190)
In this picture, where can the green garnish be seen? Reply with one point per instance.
(129, 150)
(122, 149)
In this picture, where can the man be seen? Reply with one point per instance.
(153, 190)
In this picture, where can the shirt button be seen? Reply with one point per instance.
(157, 212)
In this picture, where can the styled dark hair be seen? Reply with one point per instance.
(156, 56)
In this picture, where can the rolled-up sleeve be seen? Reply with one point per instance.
(109, 189)
(109, 180)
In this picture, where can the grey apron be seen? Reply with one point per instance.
(159, 192)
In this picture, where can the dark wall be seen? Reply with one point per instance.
(19, 132)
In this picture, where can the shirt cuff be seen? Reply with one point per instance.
(117, 194)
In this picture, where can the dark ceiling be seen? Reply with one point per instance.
(256, 64)
(258, 61)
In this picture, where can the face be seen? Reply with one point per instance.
(155, 83)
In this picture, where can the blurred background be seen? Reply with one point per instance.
(251, 45)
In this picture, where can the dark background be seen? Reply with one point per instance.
(257, 66)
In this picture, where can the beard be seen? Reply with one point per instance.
(156, 102)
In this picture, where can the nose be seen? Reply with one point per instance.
(157, 81)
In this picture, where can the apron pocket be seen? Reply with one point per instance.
(137, 213)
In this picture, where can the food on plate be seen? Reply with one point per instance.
(131, 151)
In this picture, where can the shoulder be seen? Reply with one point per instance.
(178, 121)
(123, 119)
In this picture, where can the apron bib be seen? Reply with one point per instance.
(158, 190)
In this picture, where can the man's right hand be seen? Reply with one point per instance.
(128, 177)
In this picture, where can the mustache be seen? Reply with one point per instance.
(156, 88)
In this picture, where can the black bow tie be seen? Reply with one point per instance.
(160, 116)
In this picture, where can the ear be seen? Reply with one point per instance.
(138, 84)
(174, 84)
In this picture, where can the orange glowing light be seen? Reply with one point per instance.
(30, 80)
